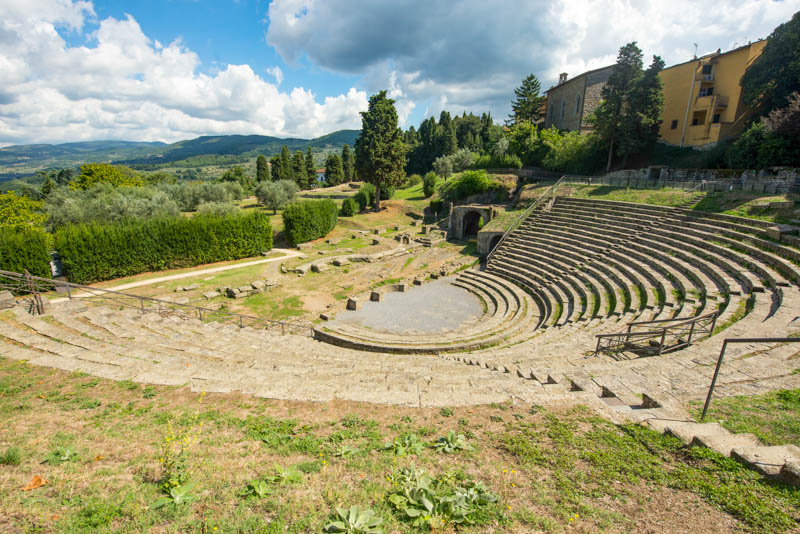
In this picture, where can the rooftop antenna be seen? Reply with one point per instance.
(695, 50)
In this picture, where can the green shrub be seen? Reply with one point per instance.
(429, 184)
(571, 151)
(387, 192)
(506, 161)
(468, 184)
(309, 219)
(437, 206)
(95, 252)
(24, 248)
(349, 207)
(413, 180)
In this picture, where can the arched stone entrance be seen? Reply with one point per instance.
(464, 221)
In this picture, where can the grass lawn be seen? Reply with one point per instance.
(747, 205)
(773, 417)
(104, 451)
(658, 197)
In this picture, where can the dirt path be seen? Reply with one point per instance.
(287, 254)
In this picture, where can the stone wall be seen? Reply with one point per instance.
(766, 181)
(578, 97)
(485, 239)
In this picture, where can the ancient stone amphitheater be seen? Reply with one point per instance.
(573, 270)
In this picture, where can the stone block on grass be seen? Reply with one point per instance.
(353, 303)
(376, 296)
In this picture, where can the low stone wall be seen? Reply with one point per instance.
(765, 181)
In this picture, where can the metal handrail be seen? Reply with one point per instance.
(679, 321)
(524, 215)
(722, 355)
(673, 330)
(105, 293)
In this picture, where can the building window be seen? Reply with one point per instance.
(707, 69)
(563, 107)
(698, 118)
(577, 103)
(706, 91)
(674, 124)
(715, 120)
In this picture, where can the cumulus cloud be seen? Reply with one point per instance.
(471, 54)
(123, 85)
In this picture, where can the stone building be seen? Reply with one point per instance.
(571, 102)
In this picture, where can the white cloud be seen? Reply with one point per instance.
(126, 86)
(471, 54)
(277, 73)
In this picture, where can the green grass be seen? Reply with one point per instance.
(385, 282)
(744, 307)
(274, 305)
(774, 417)
(658, 197)
(747, 205)
(552, 470)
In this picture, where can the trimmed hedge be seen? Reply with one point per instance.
(349, 207)
(309, 219)
(94, 252)
(24, 248)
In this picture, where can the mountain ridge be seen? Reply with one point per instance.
(21, 160)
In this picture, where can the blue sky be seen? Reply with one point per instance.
(148, 70)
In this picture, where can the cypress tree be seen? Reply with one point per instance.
(262, 169)
(299, 172)
(311, 170)
(380, 151)
(348, 164)
(286, 165)
(528, 102)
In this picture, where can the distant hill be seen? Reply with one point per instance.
(21, 160)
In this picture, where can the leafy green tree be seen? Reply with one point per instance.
(275, 167)
(237, 174)
(610, 113)
(641, 116)
(276, 195)
(311, 169)
(429, 184)
(348, 163)
(47, 187)
(299, 172)
(527, 104)
(775, 74)
(160, 177)
(262, 169)
(447, 142)
(20, 212)
(380, 151)
(64, 176)
(443, 166)
(97, 173)
(334, 175)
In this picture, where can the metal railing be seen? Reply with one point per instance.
(550, 193)
(34, 286)
(722, 355)
(659, 337)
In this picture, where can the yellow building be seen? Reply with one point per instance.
(703, 98)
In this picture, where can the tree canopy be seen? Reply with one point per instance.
(615, 120)
(527, 104)
(20, 212)
(775, 74)
(96, 173)
(262, 169)
(380, 151)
